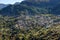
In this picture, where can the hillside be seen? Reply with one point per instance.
(38, 27)
(30, 20)
(31, 8)
(2, 6)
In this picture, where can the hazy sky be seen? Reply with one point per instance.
(9, 1)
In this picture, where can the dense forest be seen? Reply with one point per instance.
(30, 20)
(37, 27)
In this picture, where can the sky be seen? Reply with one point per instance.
(9, 1)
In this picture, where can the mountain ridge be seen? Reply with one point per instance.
(30, 8)
(2, 6)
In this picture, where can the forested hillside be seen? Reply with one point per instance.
(31, 20)
(30, 7)
(37, 27)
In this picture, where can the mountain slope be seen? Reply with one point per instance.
(30, 8)
(2, 6)
(56, 9)
(13, 10)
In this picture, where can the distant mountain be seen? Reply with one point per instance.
(32, 7)
(56, 9)
(2, 6)
(17, 3)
